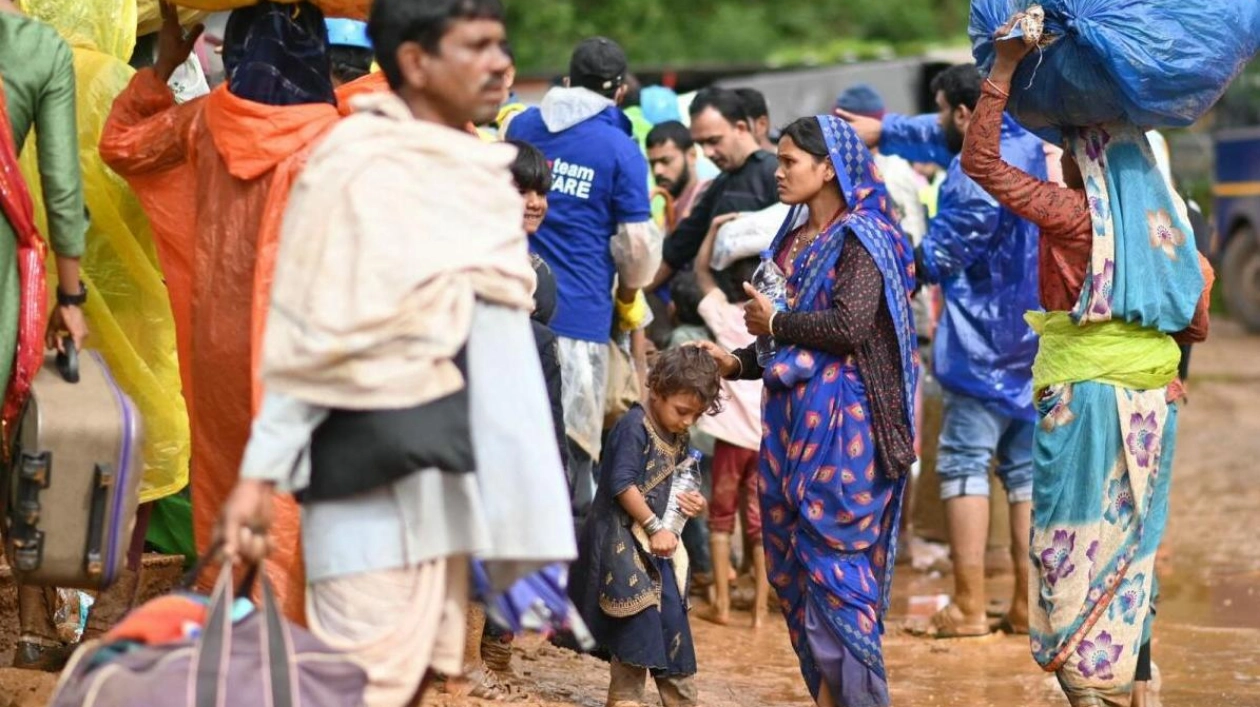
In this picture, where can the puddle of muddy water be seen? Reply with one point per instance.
(1221, 598)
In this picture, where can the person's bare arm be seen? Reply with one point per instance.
(1049, 205)
(146, 131)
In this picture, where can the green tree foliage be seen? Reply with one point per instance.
(661, 33)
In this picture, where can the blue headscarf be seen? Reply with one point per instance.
(277, 54)
(871, 220)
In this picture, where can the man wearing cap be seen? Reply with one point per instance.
(903, 186)
(599, 229)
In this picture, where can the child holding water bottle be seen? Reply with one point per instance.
(630, 578)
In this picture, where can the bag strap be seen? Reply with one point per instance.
(214, 649)
(277, 646)
(211, 660)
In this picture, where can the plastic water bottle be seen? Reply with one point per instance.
(686, 480)
(771, 282)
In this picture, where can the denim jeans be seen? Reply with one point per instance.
(971, 436)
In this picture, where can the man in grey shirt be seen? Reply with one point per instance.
(403, 287)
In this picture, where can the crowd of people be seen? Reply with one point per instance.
(432, 340)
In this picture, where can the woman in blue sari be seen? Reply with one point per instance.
(837, 428)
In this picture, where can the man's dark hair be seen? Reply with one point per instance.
(670, 131)
(634, 92)
(754, 102)
(684, 292)
(732, 279)
(960, 84)
(349, 63)
(394, 22)
(529, 169)
(807, 134)
(723, 100)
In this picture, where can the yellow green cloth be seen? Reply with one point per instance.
(1113, 352)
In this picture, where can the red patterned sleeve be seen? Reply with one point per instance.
(1058, 210)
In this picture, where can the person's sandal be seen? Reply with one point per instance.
(948, 623)
(1010, 629)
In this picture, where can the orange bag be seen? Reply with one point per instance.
(352, 9)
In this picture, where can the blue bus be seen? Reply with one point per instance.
(1237, 197)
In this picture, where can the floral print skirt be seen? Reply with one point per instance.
(1103, 464)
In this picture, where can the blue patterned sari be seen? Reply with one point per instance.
(1103, 451)
(830, 514)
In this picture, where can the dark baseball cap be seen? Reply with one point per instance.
(599, 64)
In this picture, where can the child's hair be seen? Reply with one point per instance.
(732, 279)
(684, 294)
(687, 369)
(529, 169)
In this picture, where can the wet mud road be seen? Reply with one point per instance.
(1207, 636)
(1207, 644)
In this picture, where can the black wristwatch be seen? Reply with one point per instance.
(65, 300)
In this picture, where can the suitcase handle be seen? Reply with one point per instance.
(68, 361)
(102, 484)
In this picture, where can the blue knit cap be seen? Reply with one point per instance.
(861, 99)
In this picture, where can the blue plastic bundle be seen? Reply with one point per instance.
(1154, 63)
(537, 602)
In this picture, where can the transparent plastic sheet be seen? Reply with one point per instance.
(1155, 63)
(128, 309)
(107, 26)
(352, 9)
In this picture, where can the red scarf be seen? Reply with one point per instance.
(15, 201)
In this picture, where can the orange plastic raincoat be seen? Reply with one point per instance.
(214, 177)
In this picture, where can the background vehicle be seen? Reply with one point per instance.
(1237, 197)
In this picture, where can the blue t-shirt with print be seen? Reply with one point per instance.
(599, 180)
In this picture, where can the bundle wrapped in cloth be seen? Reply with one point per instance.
(1154, 63)
(748, 235)
(352, 9)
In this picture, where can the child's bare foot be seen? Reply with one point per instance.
(759, 615)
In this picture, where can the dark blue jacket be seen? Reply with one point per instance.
(985, 259)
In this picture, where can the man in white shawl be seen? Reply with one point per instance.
(402, 292)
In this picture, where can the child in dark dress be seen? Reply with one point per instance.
(629, 582)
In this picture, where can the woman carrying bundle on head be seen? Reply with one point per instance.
(1122, 286)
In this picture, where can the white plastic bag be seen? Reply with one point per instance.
(747, 235)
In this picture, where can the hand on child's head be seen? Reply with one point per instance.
(684, 384)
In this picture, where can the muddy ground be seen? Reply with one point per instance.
(1207, 644)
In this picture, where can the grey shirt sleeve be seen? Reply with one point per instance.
(280, 440)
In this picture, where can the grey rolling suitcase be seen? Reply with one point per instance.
(74, 476)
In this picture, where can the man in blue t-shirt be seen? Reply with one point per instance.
(598, 233)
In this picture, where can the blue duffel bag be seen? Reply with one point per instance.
(1154, 63)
